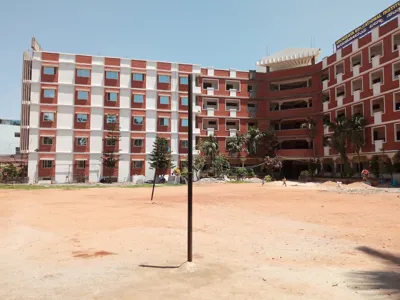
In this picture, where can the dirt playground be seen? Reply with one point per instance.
(250, 242)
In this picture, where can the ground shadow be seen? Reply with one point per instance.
(387, 280)
(160, 267)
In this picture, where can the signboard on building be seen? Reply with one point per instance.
(378, 20)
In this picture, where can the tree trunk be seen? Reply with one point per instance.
(154, 184)
(359, 163)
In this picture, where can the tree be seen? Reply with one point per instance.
(9, 172)
(209, 146)
(396, 162)
(271, 164)
(311, 125)
(160, 158)
(198, 164)
(253, 139)
(357, 125)
(236, 144)
(341, 133)
(220, 164)
(110, 148)
(270, 142)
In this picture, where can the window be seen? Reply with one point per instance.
(111, 141)
(376, 50)
(377, 77)
(396, 71)
(137, 120)
(251, 106)
(111, 75)
(340, 91)
(358, 109)
(184, 101)
(83, 73)
(137, 142)
(340, 113)
(397, 132)
(49, 70)
(47, 164)
(83, 95)
(163, 78)
(210, 104)
(164, 99)
(210, 83)
(17, 150)
(232, 105)
(357, 85)
(49, 93)
(379, 134)
(80, 164)
(339, 68)
(184, 80)
(81, 141)
(48, 116)
(17, 134)
(396, 100)
(138, 98)
(184, 122)
(47, 140)
(378, 105)
(184, 144)
(250, 88)
(164, 121)
(232, 85)
(232, 125)
(81, 118)
(356, 60)
(111, 119)
(325, 75)
(396, 41)
(138, 77)
(112, 96)
(137, 164)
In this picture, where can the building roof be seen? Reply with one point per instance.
(290, 58)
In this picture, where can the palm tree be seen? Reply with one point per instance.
(253, 139)
(311, 125)
(209, 146)
(270, 142)
(341, 132)
(357, 125)
(236, 144)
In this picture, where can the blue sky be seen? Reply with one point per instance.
(219, 33)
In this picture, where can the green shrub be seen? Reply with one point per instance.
(241, 172)
(268, 178)
(250, 172)
(304, 175)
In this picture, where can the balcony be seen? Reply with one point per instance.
(196, 131)
(291, 132)
(376, 61)
(210, 111)
(232, 112)
(232, 93)
(376, 88)
(325, 106)
(232, 132)
(325, 84)
(295, 152)
(210, 91)
(356, 95)
(339, 100)
(252, 94)
(356, 70)
(210, 131)
(197, 110)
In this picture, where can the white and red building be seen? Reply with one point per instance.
(70, 100)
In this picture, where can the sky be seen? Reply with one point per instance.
(220, 33)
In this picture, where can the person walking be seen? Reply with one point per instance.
(284, 181)
(263, 181)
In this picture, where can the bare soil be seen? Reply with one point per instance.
(250, 242)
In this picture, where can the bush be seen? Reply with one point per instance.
(304, 175)
(250, 173)
(268, 178)
(241, 172)
(177, 172)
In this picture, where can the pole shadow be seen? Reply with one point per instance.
(159, 267)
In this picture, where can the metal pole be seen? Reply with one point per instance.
(190, 169)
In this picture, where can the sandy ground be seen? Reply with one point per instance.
(250, 242)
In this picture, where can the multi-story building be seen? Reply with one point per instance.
(363, 78)
(9, 137)
(70, 103)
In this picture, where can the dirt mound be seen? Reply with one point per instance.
(329, 184)
(358, 185)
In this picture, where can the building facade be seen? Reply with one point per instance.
(71, 103)
(9, 137)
